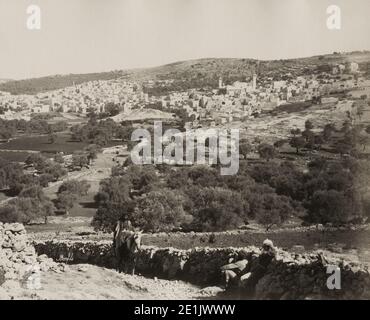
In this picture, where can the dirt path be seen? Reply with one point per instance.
(99, 170)
(91, 282)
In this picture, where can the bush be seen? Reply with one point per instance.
(329, 206)
(105, 218)
(143, 178)
(160, 211)
(58, 158)
(24, 209)
(114, 203)
(44, 179)
(78, 188)
(79, 160)
(55, 170)
(69, 192)
(273, 209)
(216, 209)
(266, 151)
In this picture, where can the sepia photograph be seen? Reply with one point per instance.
(184, 155)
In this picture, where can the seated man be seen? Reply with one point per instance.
(259, 266)
(233, 272)
(245, 274)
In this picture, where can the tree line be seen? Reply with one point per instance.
(9, 128)
(165, 198)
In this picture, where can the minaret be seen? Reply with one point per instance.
(220, 84)
(254, 81)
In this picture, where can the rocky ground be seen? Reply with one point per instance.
(83, 282)
(26, 275)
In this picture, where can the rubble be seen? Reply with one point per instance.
(18, 257)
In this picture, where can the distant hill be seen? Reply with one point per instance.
(4, 80)
(36, 85)
(195, 73)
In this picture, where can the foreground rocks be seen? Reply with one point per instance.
(18, 258)
(289, 276)
(88, 282)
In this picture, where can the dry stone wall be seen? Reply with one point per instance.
(18, 257)
(290, 276)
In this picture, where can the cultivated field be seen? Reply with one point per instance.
(19, 148)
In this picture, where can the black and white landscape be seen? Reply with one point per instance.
(197, 151)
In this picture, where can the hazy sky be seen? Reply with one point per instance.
(79, 36)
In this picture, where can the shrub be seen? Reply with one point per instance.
(26, 209)
(273, 209)
(69, 192)
(266, 151)
(78, 188)
(160, 211)
(114, 203)
(216, 209)
(329, 206)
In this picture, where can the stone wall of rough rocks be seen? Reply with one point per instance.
(291, 276)
(18, 256)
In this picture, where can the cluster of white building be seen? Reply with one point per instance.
(81, 98)
(225, 104)
(93, 95)
(244, 99)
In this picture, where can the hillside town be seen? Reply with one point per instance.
(226, 103)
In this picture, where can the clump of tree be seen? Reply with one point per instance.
(266, 151)
(111, 109)
(297, 143)
(69, 192)
(101, 132)
(30, 205)
(8, 128)
(79, 160)
(301, 139)
(161, 210)
(52, 138)
(46, 167)
(196, 198)
(245, 148)
(271, 209)
(91, 152)
(166, 198)
(333, 193)
(13, 178)
(216, 209)
(11, 175)
(114, 202)
(58, 158)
